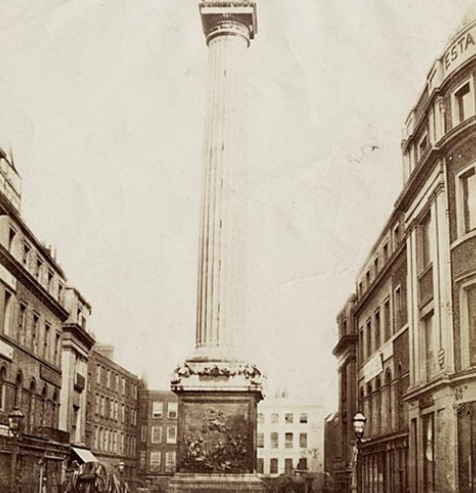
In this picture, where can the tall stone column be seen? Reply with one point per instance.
(218, 389)
(229, 28)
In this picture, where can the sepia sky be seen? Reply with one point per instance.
(102, 103)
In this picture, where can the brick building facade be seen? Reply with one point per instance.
(157, 435)
(112, 412)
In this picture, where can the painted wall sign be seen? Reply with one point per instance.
(6, 350)
(373, 367)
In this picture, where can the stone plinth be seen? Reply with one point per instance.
(215, 483)
(216, 448)
(217, 417)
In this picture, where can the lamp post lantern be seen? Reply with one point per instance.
(15, 421)
(358, 424)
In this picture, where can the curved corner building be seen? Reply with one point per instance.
(407, 337)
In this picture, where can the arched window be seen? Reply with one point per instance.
(18, 390)
(3, 388)
(31, 405)
(387, 405)
(43, 413)
(378, 407)
(368, 411)
(54, 413)
(399, 398)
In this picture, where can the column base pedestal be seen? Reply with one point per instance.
(215, 483)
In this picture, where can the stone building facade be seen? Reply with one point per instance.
(112, 411)
(290, 436)
(415, 302)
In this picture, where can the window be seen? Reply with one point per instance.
(22, 313)
(397, 308)
(260, 439)
(386, 320)
(50, 278)
(429, 346)
(274, 418)
(377, 328)
(424, 243)
(367, 279)
(468, 320)
(18, 391)
(288, 440)
(171, 434)
(273, 466)
(57, 348)
(172, 410)
(34, 332)
(428, 453)
(369, 337)
(26, 254)
(156, 434)
(170, 461)
(396, 236)
(274, 440)
(157, 409)
(302, 440)
(303, 418)
(361, 345)
(154, 461)
(46, 341)
(463, 102)
(289, 418)
(11, 239)
(422, 146)
(385, 252)
(288, 466)
(466, 196)
(7, 311)
(376, 266)
(3, 388)
(60, 291)
(260, 466)
(260, 418)
(142, 459)
(39, 268)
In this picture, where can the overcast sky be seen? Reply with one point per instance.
(102, 103)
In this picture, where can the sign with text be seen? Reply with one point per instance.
(373, 367)
(460, 50)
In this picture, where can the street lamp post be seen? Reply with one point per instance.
(358, 423)
(15, 420)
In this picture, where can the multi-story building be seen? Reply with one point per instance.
(77, 342)
(439, 202)
(415, 303)
(112, 411)
(290, 436)
(33, 310)
(157, 435)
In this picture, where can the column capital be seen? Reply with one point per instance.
(232, 18)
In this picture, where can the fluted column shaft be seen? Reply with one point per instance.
(222, 254)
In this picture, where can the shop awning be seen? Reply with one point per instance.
(84, 454)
